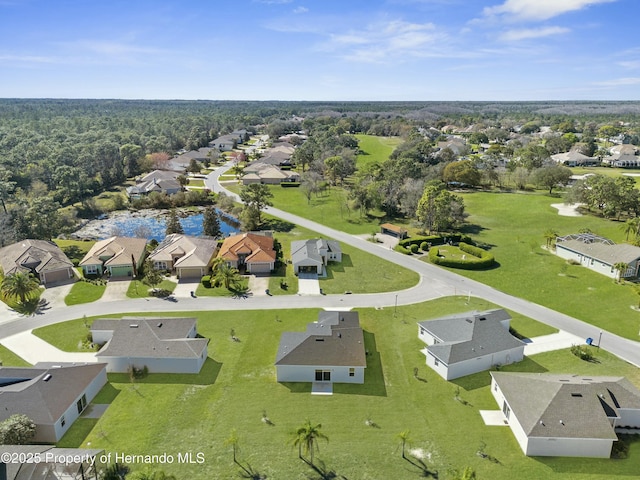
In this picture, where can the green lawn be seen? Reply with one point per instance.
(138, 289)
(172, 413)
(196, 182)
(10, 359)
(608, 171)
(375, 149)
(84, 292)
(67, 336)
(513, 225)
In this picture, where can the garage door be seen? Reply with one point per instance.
(55, 276)
(259, 268)
(193, 272)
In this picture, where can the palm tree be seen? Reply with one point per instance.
(306, 437)
(631, 226)
(21, 285)
(405, 438)
(550, 235)
(620, 267)
(227, 275)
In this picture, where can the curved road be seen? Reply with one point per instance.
(434, 282)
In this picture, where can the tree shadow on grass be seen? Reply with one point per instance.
(277, 225)
(323, 472)
(207, 376)
(421, 467)
(373, 375)
(472, 229)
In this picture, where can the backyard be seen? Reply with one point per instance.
(172, 413)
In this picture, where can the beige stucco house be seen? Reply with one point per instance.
(184, 255)
(117, 256)
(42, 258)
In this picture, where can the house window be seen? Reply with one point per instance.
(436, 362)
(81, 404)
(422, 330)
(352, 372)
(160, 265)
(495, 387)
(62, 421)
(91, 269)
(506, 410)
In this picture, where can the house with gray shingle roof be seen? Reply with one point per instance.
(163, 345)
(330, 350)
(469, 343)
(312, 256)
(160, 181)
(184, 255)
(52, 396)
(42, 258)
(48, 462)
(563, 415)
(599, 254)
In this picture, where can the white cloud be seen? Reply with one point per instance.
(527, 33)
(630, 64)
(539, 9)
(299, 10)
(618, 82)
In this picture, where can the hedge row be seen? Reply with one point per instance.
(480, 259)
(433, 240)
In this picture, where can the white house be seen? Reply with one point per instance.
(469, 343)
(52, 396)
(163, 345)
(331, 350)
(563, 415)
(312, 256)
(599, 254)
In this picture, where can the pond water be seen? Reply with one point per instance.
(150, 224)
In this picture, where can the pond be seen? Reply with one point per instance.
(149, 224)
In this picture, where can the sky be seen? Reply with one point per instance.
(325, 50)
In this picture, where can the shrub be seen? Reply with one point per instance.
(424, 246)
(414, 248)
(401, 249)
(582, 352)
(206, 281)
(290, 184)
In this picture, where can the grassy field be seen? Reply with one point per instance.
(512, 225)
(608, 171)
(10, 359)
(375, 149)
(173, 413)
(138, 289)
(67, 336)
(84, 292)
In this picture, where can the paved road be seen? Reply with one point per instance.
(434, 283)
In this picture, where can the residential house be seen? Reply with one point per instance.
(564, 415)
(259, 172)
(159, 181)
(52, 396)
(163, 345)
(312, 256)
(252, 252)
(330, 350)
(599, 254)
(42, 258)
(226, 143)
(393, 230)
(574, 159)
(185, 256)
(469, 343)
(48, 462)
(117, 256)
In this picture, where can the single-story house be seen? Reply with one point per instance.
(574, 159)
(226, 143)
(330, 350)
(564, 415)
(51, 463)
(599, 254)
(312, 256)
(469, 343)
(160, 181)
(393, 230)
(251, 251)
(186, 256)
(268, 174)
(624, 161)
(42, 258)
(119, 256)
(163, 345)
(52, 396)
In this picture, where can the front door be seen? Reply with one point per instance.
(323, 376)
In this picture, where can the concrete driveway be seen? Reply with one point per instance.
(185, 287)
(548, 343)
(55, 295)
(258, 284)
(308, 284)
(33, 349)
(116, 290)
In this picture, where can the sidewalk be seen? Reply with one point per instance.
(33, 350)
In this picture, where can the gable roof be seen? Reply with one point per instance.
(117, 250)
(185, 251)
(564, 405)
(599, 248)
(54, 463)
(44, 392)
(302, 250)
(152, 337)
(256, 247)
(470, 335)
(336, 339)
(33, 255)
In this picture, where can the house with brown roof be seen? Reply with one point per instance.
(184, 255)
(42, 258)
(330, 350)
(564, 415)
(393, 230)
(252, 252)
(52, 396)
(599, 254)
(117, 256)
(163, 345)
(470, 342)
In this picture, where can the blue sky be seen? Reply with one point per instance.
(321, 49)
